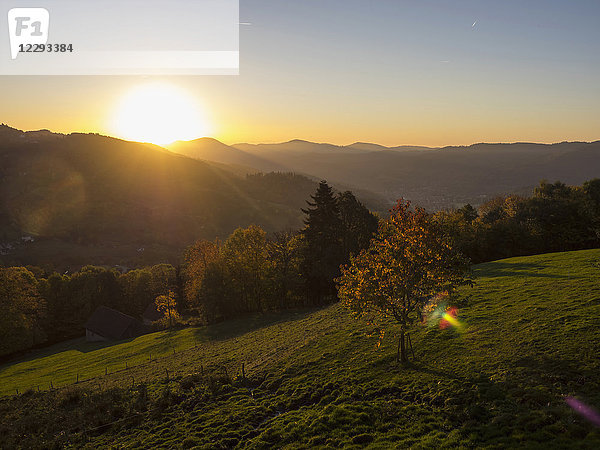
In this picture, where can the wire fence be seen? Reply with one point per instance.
(122, 368)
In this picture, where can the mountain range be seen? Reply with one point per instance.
(435, 178)
(71, 199)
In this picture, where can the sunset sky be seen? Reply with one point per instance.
(391, 72)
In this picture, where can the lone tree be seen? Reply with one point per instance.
(410, 260)
(167, 305)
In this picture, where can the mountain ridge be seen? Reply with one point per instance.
(435, 178)
(76, 199)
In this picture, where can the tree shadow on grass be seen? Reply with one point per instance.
(520, 269)
(529, 403)
(237, 327)
(519, 402)
(79, 345)
(86, 347)
(556, 375)
(218, 332)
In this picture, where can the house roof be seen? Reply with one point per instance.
(112, 324)
(152, 313)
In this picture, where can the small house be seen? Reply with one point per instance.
(152, 314)
(107, 324)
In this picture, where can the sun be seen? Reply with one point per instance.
(159, 113)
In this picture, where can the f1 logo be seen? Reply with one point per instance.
(27, 26)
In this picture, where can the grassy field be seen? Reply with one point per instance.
(530, 337)
(65, 363)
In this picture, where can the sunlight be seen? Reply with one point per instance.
(159, 113)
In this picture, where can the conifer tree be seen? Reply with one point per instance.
(323, 250)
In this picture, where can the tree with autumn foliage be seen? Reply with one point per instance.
(410, 260)
(246, 260)
(166, 304)
(198, 260)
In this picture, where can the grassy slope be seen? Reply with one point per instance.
(61, 363)
(531, 334)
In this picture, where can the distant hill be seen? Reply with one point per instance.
(298, 146)
(376, 147)
(85, 198)
(69, 200)
(435, 178)
(439, 177)
(212, 150)
(243, 162)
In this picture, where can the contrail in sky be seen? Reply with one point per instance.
(474, 23)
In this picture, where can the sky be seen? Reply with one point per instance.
(393, 72)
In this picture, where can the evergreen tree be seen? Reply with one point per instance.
(323, 251)
(358, 225)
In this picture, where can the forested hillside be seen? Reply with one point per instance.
(71, 200)
(435, 178)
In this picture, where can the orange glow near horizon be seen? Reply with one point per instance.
(166, 110)
(159, 113)
(418, 73)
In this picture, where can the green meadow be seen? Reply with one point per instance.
(529, 336)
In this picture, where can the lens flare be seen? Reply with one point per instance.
(449, 318)
(445, 317)
(584, 410)
(48, 198)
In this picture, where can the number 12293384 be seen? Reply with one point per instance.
(46, 48)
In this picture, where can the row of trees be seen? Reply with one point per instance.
(416, 256)
(50, 308)
(555, 218)
(390, 267)
(250, 272)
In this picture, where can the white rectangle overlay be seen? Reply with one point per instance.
(119, 37)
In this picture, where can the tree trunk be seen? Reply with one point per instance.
(409, 340)
(401, 354)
